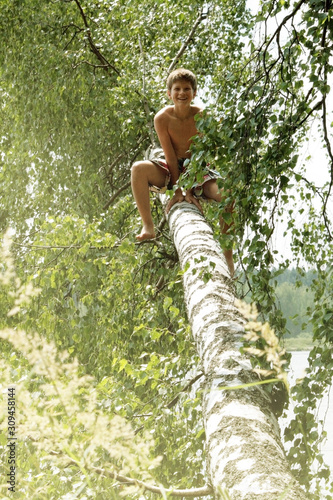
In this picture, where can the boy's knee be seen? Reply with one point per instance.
(136, 167)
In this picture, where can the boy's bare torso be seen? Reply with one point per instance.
(180, 129)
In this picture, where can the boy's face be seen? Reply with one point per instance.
(181, 92)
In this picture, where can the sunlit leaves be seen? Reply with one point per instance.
(74, 84)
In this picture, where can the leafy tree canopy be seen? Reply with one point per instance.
(80, 83)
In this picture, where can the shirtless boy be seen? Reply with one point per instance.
(175, 126)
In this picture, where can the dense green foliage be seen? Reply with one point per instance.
(58, 424)
(295, 299)
(80, 83)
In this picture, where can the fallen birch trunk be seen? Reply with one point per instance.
(243, 446)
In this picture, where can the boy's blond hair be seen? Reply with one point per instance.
(182, 74)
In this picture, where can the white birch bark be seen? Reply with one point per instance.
(244, 452)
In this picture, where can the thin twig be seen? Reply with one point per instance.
(284, 21)
(330, 153)
(184, 389)
(198, 21)
(326, 138)
(116, 194)
(105, 63)
(77, 247)
(193, 492)
(145, 101)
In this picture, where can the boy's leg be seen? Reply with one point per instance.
(212, 192)
(144, 173)
(227, 253)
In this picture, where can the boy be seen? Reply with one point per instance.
(175, 126)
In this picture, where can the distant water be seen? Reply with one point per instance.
(298, 365)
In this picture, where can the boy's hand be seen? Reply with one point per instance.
(178, 197)
(190, 198)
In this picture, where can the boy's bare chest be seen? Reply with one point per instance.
(182, 131)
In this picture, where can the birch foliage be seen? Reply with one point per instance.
(80, 83)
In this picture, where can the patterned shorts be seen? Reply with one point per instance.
(158, 159)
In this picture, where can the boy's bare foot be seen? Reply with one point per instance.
(146, 234)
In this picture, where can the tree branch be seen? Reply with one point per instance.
(77, 247)
(330, 153)
(78, 30)
(116, 194)
(145, 101)
(193, 492)
(103, 66)
(184, 389)
(105, 63)
(125, 153)
(316, 107)
(284, 21)
(198, 21)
